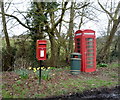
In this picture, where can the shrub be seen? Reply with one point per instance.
(103, 65)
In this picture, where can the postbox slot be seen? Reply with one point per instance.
(42, 44)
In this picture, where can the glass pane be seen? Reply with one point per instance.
(89, 39)
(78, 47)
(90, 50)
(90, 54)
(78, 43)
(89, 62)
(89, 43)
(89, 46)
(89, 66)
(78, 39)
(90, 58)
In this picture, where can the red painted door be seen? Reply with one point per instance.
(90, 54)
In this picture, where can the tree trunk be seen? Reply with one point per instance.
(51, 33)
(70, 32)
(103, 53)
(71, 25)
(5, 26)
(8, 64)
(53, 51)
(118, 50)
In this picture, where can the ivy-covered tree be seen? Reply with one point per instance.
(42, 19)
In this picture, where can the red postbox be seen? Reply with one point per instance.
(85, 43)
(41, 49)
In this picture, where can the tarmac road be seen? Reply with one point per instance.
(94, 94)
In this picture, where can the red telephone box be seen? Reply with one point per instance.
(85, 43)
(41, 49)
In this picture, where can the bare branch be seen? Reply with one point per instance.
(14, 25)
(23, 16)
(97, 9)
(9, 5)
(18, 21)
(63, 11)
(117, 10)
(110, 15)
(82, 6)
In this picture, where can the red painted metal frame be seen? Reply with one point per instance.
(41, 45)
(83, 35)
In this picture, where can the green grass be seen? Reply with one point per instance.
(61, 87)
(113, 74)
(36, 95)
(19, 82)
(19, 92)
(78, 85)
(113, 65)
(99, 83)
(3, 86)
(23, 73)
(6, 94)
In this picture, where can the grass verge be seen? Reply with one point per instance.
(61, 83)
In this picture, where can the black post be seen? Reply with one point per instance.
(40, 72)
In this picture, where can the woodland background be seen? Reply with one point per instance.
(45, 20)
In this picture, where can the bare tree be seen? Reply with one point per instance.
(7, 63)
(51, 33)
(116, 20)
(4, 25)
(69, 43)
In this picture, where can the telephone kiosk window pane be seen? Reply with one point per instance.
(89, 43)
(91, 54)
(89, 46)
(89, 66)
(78, 50)
(89, 39)
(90, 62)
(78, 43)
(78, 39)
(78, 47)
(90, 50)
(89, 58)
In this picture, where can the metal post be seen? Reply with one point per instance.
(40, 72)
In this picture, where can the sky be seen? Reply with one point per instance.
(22, 5)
